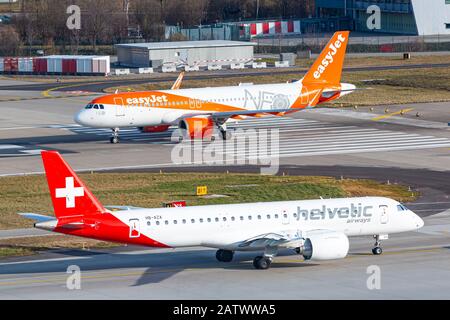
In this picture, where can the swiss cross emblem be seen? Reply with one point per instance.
(69, 192)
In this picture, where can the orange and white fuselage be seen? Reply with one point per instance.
(212, 107)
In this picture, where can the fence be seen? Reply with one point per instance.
(357, 44)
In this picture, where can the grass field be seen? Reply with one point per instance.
(30, 194)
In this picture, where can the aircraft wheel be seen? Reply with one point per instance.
(377, 251)
(114, 140)
(262, 263)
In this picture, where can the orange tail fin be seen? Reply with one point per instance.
(328, 66)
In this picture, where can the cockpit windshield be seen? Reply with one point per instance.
(401, 207)
(95, 106)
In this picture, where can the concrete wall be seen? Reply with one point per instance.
(431, 16)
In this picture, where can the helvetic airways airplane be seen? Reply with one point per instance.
(316, 229)
(198, 111)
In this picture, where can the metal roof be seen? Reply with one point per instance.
(185, 44)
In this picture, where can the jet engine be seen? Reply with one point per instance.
(324, 245)
(196, 127)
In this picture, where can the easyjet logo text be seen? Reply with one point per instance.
(329, 57)
(147, 100)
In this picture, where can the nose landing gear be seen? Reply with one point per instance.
(115, 136)
(377, 250)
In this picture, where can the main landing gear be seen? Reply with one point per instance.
(224, 134)
(115, 136)
(377, 250)
(224, 255)
(262, 262)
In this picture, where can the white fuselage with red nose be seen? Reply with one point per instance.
(226, 226)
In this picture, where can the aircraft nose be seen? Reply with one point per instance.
(81, 118)
(418, 221)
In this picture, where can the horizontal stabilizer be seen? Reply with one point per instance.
(37, 217)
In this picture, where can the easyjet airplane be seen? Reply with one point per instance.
(197, 112)
(316, 229)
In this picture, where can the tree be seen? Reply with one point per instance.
(10, 40)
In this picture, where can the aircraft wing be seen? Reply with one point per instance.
(238, 114)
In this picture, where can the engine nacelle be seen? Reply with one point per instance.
(326, 245)
(196, 127)
(160, 128)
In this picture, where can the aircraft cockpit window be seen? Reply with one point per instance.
(89, 106)
(95, 106)
(101, 106)
(401, 207)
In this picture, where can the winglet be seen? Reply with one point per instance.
(177, 84)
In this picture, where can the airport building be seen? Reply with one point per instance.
(184, 53)
(414, 17)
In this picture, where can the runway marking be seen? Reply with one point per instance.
(298, 137)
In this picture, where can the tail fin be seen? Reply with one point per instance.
(328, 66)
(70, 196)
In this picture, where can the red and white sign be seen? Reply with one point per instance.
(274, 28)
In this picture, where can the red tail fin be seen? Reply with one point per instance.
(328, 66)
(69, 194)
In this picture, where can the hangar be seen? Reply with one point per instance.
(184, 53)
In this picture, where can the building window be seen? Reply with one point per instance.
(447, 25)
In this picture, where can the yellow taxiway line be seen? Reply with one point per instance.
(392, 114)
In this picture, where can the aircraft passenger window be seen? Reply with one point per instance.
(259, 217)
(175, 222)
(285, 215)
(201, 220)
(184, 221)
(149, 223)
(242, 218)
(157, 223)
(276, 216)
(224, 218)
(232, 218)
(209, 219)
(268, 216)
(217, 219)
(249, 217)
(166, 222)
(295, 215)
(192, 220)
